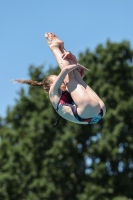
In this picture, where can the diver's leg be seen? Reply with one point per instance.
(87, 103)
(89, 90)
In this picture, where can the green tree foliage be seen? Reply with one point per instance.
(72, 162)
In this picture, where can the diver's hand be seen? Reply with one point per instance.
(69, 55)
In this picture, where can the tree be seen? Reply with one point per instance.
(72, 162)
(111, 150)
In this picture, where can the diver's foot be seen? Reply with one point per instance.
(53, 41)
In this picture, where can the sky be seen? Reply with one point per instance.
(81, 24)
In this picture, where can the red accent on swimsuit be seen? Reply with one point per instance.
(67, 100)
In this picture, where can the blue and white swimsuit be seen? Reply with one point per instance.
(66, 100)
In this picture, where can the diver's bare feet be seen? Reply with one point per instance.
(53, 41)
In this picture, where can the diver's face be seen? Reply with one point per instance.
(53, 78)
(63, 86)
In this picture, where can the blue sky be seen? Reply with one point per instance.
(81, 24)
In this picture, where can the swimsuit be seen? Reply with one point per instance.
(66, 100)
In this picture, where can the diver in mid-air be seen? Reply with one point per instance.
(70, 96)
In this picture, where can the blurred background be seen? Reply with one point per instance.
(70, 162)
(80, 24)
